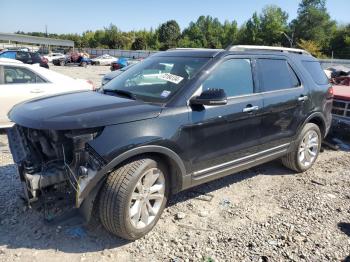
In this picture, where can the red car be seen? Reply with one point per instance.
(341, 102)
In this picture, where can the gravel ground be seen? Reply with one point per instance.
(267, 213)
(264, 214)
(93, 73)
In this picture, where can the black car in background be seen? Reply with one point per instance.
(25, 57)
(176, 120)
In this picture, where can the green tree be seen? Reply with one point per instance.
(313, 23)
(312, 47)
(88, 40)
(112, 37)
(169, 34)
(139, 44)
(205, 32)
(340, 43)
(229, 33)
(250, 32)
(273, 22)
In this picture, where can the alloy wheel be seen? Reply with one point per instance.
(308, 148)
(147, 198)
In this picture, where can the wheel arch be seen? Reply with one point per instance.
(317, 119)
(172, 160)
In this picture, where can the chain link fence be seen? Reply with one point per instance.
(326, 63)
(94, 52)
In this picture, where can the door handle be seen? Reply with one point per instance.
(249, 109)
(302, 98)
(36, 91)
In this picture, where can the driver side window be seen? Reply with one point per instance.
(234, 76)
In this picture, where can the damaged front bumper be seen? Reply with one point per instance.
(48, 158)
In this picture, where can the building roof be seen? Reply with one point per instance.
(35, 40)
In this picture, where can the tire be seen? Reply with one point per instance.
(62, 63)
(83, 64)
(297, 159)
(121, 196)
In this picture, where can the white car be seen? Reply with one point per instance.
(103, 60)
(52, 56)
(20, 82)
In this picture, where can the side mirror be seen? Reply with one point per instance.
(210, 97)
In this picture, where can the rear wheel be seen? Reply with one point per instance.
(133, 198)
(306, 150)
(83, 64)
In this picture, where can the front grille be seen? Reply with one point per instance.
(341, 108)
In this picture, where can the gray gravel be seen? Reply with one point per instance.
(93, 73)
(267, 213)
(263, 214)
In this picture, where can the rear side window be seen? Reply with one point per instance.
(315, 70)
(233, 76)
(276, 74)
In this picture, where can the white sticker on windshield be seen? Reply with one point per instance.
(171, 78)
(165, 93)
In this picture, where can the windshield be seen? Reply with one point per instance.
(156, 79)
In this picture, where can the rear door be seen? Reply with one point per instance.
(285, 100)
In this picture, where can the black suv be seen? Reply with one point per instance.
(176, 120)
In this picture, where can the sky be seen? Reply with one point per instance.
(77, 16)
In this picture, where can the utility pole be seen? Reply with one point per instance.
(290, 39)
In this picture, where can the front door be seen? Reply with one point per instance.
(220, 134)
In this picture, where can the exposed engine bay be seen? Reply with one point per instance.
(48, 158)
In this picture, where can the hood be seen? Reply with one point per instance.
(341, 92)
(80, 110)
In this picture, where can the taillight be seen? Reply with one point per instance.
(330, 93)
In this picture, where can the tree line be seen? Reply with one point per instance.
(313, 29)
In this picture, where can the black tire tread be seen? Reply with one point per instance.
(290, 160)
(113, 198)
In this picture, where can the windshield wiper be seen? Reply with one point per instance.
(121, 93)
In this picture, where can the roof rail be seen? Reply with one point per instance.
(190, 48)
(268, 48)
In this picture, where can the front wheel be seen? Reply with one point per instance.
(133, 198)
(306, 150)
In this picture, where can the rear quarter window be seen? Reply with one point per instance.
(315, 70)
